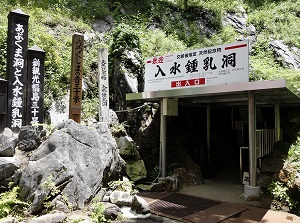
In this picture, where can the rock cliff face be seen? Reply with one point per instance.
(75, 160)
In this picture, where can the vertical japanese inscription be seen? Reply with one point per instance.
(17, 68)
(103, 85)
(76, 78)
(35, 88)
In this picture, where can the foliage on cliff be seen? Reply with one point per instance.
(159, 26)
(163, 27)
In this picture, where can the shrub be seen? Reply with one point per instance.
(123, 185)
(286, 193)
(10, 204)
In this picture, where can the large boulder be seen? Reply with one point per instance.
(8, 166)
(8, 143)
(28, 138)
(275, 160)
(139, 205)
(55, 217)
(135, 167)
(76, 160)
(121, 198)
(136, 170)
(112, 211)
(127, 147)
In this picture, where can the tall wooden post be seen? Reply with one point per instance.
(103, 85)
(35, 87)
(17, 68)
(76, 77)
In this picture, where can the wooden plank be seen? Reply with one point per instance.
(76, 77)
(216, 213)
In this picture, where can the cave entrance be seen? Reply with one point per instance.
(224, 132)
(228, 138)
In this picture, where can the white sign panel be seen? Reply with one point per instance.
(103, 85)
(201, 67)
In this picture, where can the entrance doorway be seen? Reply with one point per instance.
(228, 133)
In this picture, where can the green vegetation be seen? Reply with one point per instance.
(119, 130)
(10, 204)
(53, 191)
(282, 196)
(97, 212)
(153, 27)
(157, 27)
(123, 185)
(274, 20)
(286, 192)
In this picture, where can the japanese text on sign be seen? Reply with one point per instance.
(214, 65)
(103, 85)
(35, 85)
(18, 65)
(78, 71)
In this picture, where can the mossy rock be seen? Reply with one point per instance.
(127, 147)
(136, 170)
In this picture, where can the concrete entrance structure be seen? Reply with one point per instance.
(278, 93)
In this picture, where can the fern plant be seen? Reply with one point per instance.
(10, 204)
(97, 213)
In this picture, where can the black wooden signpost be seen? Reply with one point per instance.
(17, 68)
(3, 103)
(35, 86)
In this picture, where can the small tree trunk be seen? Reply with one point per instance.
(185, 5)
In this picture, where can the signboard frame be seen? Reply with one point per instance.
(17, 42)
(103, 81)
(228, 63)
(35, 88)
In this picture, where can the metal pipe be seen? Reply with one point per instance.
(208, 132)
(252, 138)
(163, 137)
(277, 122)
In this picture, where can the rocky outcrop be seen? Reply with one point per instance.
(287, 57)
(148, 137)
(136, 170)
(104, 25)
(238, 20)
(127, 73)
(76, 160)
(135, 166)
(272, 164)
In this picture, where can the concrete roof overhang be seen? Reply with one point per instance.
(233, 94)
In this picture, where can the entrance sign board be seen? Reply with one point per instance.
(103, 85)
(201, 67)
(17, 68)
(76, 77)
(35, 88)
